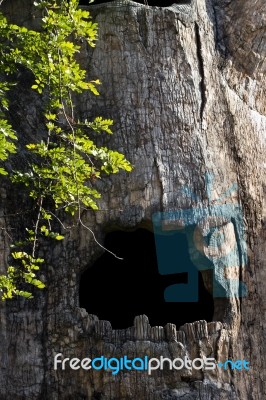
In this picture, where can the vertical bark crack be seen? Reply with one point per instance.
(202, 85)
(160, 183)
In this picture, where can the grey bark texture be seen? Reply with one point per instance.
(185, 86)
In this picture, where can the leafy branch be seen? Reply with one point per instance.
(67, 163)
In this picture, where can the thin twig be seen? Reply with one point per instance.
(36, 227)
(59, 220)
(99, 244)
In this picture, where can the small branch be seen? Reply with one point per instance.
(6, 232)
(59, 220)
(36, 227)
(94, 237)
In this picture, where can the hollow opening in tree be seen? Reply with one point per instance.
(118, 290)
(151, 3)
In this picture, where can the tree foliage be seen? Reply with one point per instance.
(68, 162)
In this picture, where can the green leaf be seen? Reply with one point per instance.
(22, 293)
(44, 230)
(3, 171)
(37, 283)
(19, 255)
(59, 237)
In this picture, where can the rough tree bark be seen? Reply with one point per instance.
(186, 88)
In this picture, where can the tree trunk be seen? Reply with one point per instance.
(185, 86)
